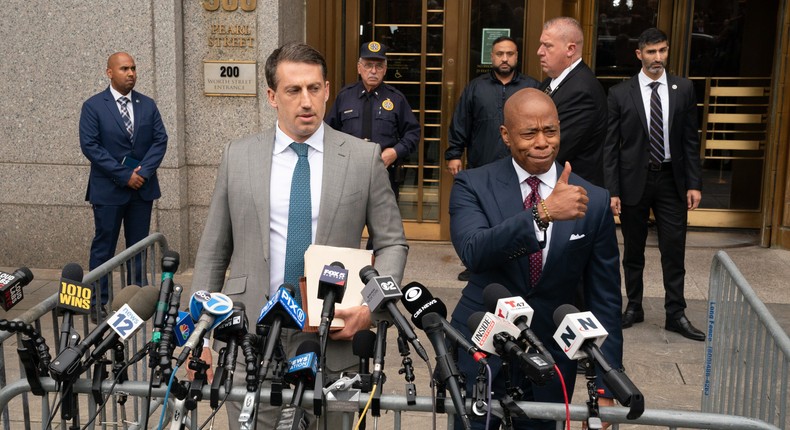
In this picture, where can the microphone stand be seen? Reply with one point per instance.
(195, 390)
(69, 400)
(407, 370)
(593, 419)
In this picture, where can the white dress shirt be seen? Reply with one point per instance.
(558, 80)
(116, 95)
(283, 164)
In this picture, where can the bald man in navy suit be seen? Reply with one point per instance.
(123, 137)
(570, 231)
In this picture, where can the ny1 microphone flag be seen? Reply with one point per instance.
(577, 328)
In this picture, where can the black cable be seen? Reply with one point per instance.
(214, 412)
(139, 355)
(55, 407)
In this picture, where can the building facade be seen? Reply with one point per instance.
(202, 61)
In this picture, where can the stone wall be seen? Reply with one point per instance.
(54, 57)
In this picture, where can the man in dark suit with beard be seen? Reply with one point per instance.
(580, 98)
(652, 161)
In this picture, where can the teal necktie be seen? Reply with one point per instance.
(300, 220)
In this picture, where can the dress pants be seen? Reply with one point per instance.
(671, 215)
(135, 216)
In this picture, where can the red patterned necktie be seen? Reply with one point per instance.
(536, 258)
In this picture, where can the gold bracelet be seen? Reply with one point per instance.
(543, 205)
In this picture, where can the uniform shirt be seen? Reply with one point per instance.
(477, 117)
(394, 124)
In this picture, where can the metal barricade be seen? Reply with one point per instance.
(130, 415)
(149, 250)
(747, 357)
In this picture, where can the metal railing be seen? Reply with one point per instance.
(747, 356)
(718, 385)
(123, 264)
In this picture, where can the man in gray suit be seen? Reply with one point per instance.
(247, 225)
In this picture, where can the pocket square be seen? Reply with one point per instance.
(577, 236)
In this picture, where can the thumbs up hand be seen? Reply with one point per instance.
(566, 201)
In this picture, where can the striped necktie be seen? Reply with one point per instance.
(656, 126)
(127, 120)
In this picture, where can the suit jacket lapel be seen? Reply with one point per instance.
(636, 98)
(509, 199)
(567, 78)
(671, 91)
(510, 202)
(138, 114)
(260, 169)
(112, 107)
(336, 159)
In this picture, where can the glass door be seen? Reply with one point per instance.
(414, 32)
(707, 40)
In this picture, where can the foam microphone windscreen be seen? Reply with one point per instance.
(72, 272)
(124, 296)
(26, 275)
(144, 302)
(290, 288)
(418, 301)
(492, 293)
(364, 344)
(307, 347)
(474, 320)
(562, 311)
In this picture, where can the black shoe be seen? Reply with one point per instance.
(683, 326)
(464, 276)
(99, 314)
(633, 315)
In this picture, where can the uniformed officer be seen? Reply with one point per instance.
(378, 112)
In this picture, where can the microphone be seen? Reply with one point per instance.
(281, 311)
(515, 309)
(445, 367)
(231, 331)
(379, 350)
(496, 335)
(124, 322)
(11, 286)
(383, 291)
(301, 372)
(211, 309)
(144, 296)
(302, 369)
(170, 262)
(580, 335)
(74, 297)
(363, 345)
(331, 289)
(420, 302)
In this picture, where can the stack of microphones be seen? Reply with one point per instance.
(504, 330)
